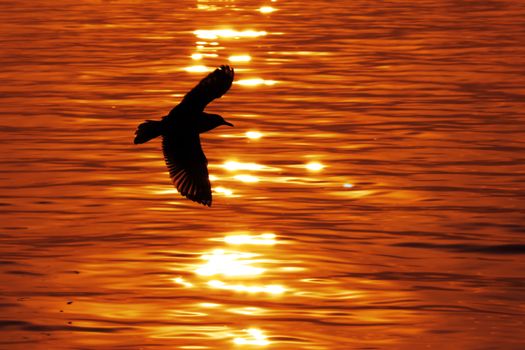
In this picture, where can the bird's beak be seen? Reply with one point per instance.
(227, 123)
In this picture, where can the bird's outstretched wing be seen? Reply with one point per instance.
(188, 166)
(213, 86)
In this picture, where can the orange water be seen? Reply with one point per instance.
(371, 196)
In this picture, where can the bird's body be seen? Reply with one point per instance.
(180, 129)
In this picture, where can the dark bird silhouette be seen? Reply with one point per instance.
(180, 129)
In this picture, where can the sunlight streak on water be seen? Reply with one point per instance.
(266, 9)
(255, 82)
(246, 178)
(314, 166)
(228, 33)
(224, 191)
(234, 166)
(197, 69)
(253, 336)
(221, 262)
(254, 135)
(209, 305)
(240, 58)
(273, 289)
(181, 281)
(262, 239)
(385, 154)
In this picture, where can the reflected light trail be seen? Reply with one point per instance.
(181, 281)
(266, 9)
(254, 135)
(197, 69)
(249, 310)
(255, 82)
(233, 166)
(246, 178)
(254, 337)
(314, 166)
(270, 289)
(209, 305)
(228, 33)
(165, 191)
(262, 239)
(224, 263)
(240, 58)
(225, 191)
(207, 7)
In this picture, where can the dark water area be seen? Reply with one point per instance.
(371, 195)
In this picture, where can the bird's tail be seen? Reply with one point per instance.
(147, 131)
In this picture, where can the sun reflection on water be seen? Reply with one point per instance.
(228, 33)
(314, 166)
(253, 336)
(246, 178)
(248, 310)
(224, 191)
(254, 135)
(255, 82)
(197, 69)
(209, 305)
(273, 289)
(233, 166)
(266, 9)
(220, 262)
(240, 58)
(238, 265)
(182, 282)
(262, 239)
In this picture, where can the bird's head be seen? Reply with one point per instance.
(217, 120)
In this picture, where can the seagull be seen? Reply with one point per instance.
(180, 129)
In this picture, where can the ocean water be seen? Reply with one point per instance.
(370, 196)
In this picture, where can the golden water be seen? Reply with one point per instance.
(371, 195)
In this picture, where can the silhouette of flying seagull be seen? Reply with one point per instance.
(180, 129)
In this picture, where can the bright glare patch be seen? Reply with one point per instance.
(256, 82)
(240, 58)
(209, 305)
(166, 191)
(253, 336)
(233, 166)
(314, 166)
(197, 69)
(228, 33)
(262, 239)
(270, 289)
(246, 178)
(196, 56)
(225, 191)
(247, 311)
(348, 185)
(224, 263)
(266, 9)
(181, 281)
(207, 7)
(253, 135)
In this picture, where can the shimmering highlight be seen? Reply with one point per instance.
(228, 33)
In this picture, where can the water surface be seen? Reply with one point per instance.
(371, 196)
